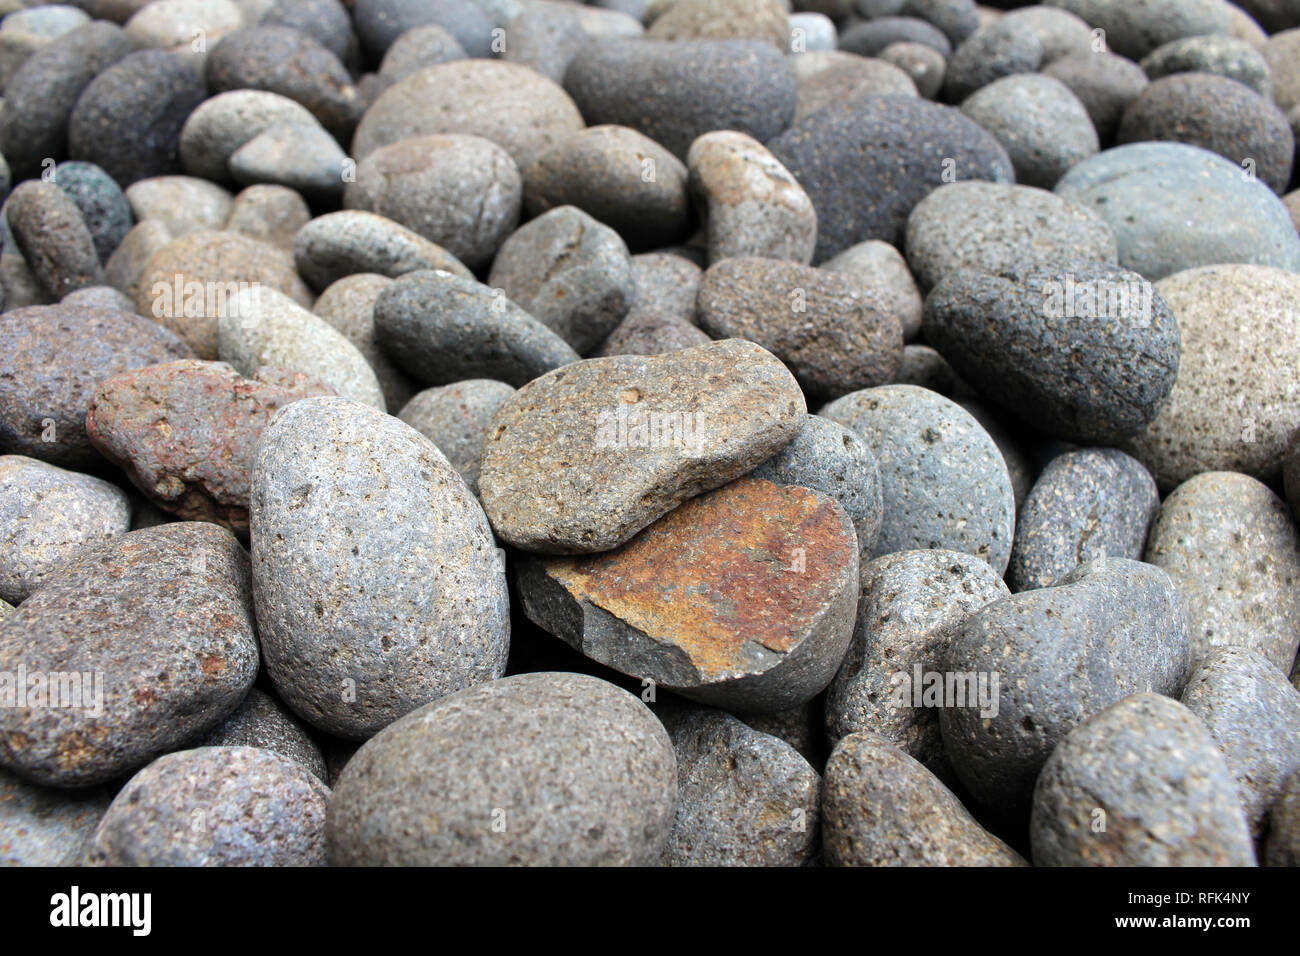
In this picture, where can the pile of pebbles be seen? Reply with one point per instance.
(649, 432)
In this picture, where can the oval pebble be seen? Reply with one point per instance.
(261, 721)
(457, 418)
(340, 244)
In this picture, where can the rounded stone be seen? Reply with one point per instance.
(723, 20)
(379, 23)
(328, 22)
(1110, 628)
(645, 333)
(943, 480)
(1086, 505)
(1134, 29)
(174, 25)
(1235, 402)
(184, 204)
(1165, 792)
(457, 418)
(1044, 127)
(185, 432)
(1060, 32)
(215, 806)
(992, 227)
(1220, 55)
(1254, 714)
(744, 798)
(922, 63)
(1218, 114)
(992, 53)
(374, 595)
(156, 628)
(269, 213)
(870, 37)
(349, 306)
(881, 266)
(49, 230)
(518, 109)
(42, 826)
(831, 459)
(536, 769)
(440, 328)
(1086, 352)
(262, 721)
(883, 808)
(129, 118)
(571, 272)
(49, 516)
(1173, 207)
(301, 156)
(839, 75)
(284, 61)
(462, 192)
(344, 243)
(828, 327)
(191, 283)
(750, 203)
(911, 603)
(1232, 548)
(666, 284)
(866, 162)
(620, 177)
(1283, 54)
(52, 358)
(224, 123)
(1104, 83)
(103, 205)
(417, 48)
(676, 91)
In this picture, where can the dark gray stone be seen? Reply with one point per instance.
(262, 721)
(457, 418)
(102, 203)
(49, 230)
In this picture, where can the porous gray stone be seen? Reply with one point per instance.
(881, 266)
(225, 122)
(1221, 55)
(349, 306)
(377, 583)
(262, 721)
(340, 244)
(533, 770)
(1104, 83)
(42, 826)
(457, 418)
(1142, 783)
(53, 238)
(1135, 29)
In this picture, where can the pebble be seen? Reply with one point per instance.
(1142, 783)
(349, 306)
(440, 328)
(1220, 55)
(1110, 628)
(185, 432)
(196, 280)
(125, 267)
(995, 227)
(302, 156)
(676, 91)
(990, 54)
(263, 722)
(1173, 207)
(1044, 127)
(666, 285)
(517, 108)
(292, 64)
(545, 38)
(41, 94)
(1104, 83)
(265, 327)
(943, 480)
(910, 604)
(174, 25)
(157, 627)
(842, 75)
(882, 267)
(1231, 547)
(751, 204)
(602, 470)
(380, 22)
(41, 826)
(49, 516)
(184, 204)
(1059, 32)
(675, 605)
(866, 162)
(645, 333)
(1134, 29)
(215, 806)
(763, 20)
(883, 808)
(543, 769)
(270, 214)
(744, 798)
(457, 418)
(377, 583)
(326, 21)
(104, 207)
(1281, 52)
(1088, 504)
(829, 328)
(571, 272)
(868, 38)
(462, 192)
(1235, 402)
(1087, 352)
(923, 64)
(53, 237)
(1218, 114)
(224, 123)
(52, 358)
(1253, 713)
(618, 176)
(417, 48)
(830, 459)
(128, 120)
(811, 32)
(340, 244)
